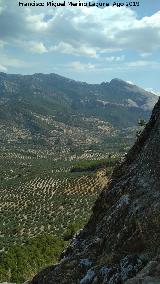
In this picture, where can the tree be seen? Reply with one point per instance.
(141, 124)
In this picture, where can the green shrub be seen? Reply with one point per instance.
(71, 230)
(21, 262)
(94, 165)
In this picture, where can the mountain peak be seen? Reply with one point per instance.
(117, 81)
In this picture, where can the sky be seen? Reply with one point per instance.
(87, 44)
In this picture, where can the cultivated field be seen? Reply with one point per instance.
(39, 195)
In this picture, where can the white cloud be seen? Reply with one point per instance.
(67, 48)
(36, 47)
(36, 22)
(107, 30)
(143, 63)
(3, 68)
(31, 46)
(130, 82)
(9, 61)
(80, 30)
(2, 43)
(153, 91)
(145, 54)
(115, 58)
(78, 66)
(118, 66)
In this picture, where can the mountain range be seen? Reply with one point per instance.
(53, 110)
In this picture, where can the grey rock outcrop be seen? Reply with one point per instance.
(123, 233)
(149, 275)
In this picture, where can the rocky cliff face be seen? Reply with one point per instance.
(123, 234)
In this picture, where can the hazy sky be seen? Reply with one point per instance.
(88, 44)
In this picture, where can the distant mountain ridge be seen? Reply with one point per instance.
(115, 91)
(39, 105)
